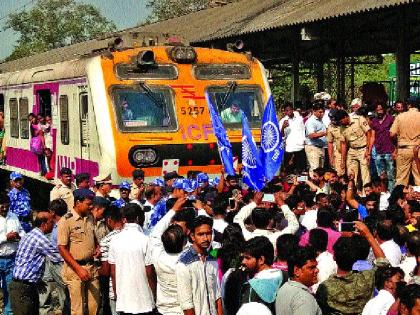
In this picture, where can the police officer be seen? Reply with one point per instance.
(406, 128)
(334, 137)
(64, 188)
(20, 200)
(77, 245)
(356, 144)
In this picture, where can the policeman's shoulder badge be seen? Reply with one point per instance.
(68, 215)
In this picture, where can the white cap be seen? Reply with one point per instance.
(253, 308)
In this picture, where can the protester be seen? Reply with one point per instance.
(20, 200)
(294, 296)
(10, 234)
(30, 264)
(131, 266)
(196, 273)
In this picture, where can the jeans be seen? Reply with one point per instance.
(6, 273)
(385, 163)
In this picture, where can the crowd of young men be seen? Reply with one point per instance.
(341, 239)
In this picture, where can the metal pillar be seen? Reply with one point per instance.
(320, 76)
(295, 79)
(341, 79)
(402, 58)
(352, 78)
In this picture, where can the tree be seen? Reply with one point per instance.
(167, 9)
(55, 23)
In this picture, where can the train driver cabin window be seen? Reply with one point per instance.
(64, 119)
(23, 117)
(84, 121)
(14, 118)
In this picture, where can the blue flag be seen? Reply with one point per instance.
(252, 170)
(225, 148)
(272, 149)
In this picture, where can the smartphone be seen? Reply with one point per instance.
(232, 203)
(268, 198)
(191, 197)
(346, 227)
(302, 178)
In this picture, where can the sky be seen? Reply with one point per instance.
(124, 13)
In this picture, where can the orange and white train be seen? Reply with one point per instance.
(144, 107)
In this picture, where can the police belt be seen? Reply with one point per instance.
(358, 148)
(406, 146)
(26, 282)
(83, 262)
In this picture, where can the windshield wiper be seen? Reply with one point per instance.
(231, 89)
(151, 95)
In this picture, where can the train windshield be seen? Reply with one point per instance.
(144, 108)
(233, 100)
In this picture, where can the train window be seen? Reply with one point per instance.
(1, 102)
(231, 102)
(222, 72)
(128, 71)
(64, 119)
(23, 117)
(144, 109)
(14, 118)
(45, 102)
(84, 119)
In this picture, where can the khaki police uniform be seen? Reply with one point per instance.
(335, 136)
(77, 234)
(355, 137)
(61, 191)
(406, 127)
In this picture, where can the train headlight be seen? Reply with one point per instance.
(182, 54)
(144, 156)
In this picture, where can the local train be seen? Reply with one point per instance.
(119, 109)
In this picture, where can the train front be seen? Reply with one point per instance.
(157, 117)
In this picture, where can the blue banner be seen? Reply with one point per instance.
(252, 170)
(225, 148)
(272, 149)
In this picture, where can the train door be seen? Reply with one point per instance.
(84, 126)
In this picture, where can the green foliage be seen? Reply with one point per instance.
(167, 9)
(55, 23)
(281, 86)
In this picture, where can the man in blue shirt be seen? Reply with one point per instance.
(315, 138)
(30, 264)
(20, 200)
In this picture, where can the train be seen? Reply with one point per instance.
(139, 106)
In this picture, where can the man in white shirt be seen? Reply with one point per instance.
(318, 239)
(261, 219)
(10, 234)
(409, 262)
(197, 273)
(152, 194)
(131, 267)
(167, 241)
(386, 281)
(384, 236)
(293, 129)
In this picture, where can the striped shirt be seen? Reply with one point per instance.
(30, 257)
(104, 256)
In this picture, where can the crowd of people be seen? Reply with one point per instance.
(337, 232)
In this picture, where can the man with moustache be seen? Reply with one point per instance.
(294, 296)
(385, 149)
